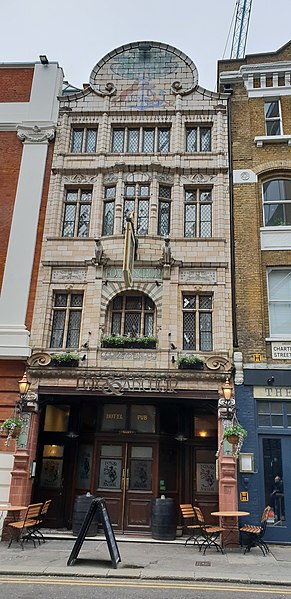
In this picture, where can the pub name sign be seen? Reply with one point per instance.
(110, 385)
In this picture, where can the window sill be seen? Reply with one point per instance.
(272, 139)
(276, 238)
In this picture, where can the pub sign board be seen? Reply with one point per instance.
(100, 506)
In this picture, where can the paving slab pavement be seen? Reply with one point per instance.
(148, 561)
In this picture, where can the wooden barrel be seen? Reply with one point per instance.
(81, 507)
(164, 519)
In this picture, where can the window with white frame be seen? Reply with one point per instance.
(77, 211)
(136, 199)
(279, 291)
(198, 139)
(108, 210)
(197, 213)
(273, 117)
(84, 140)
(277, 202)
(145, 140)
(132, 314)
(66, 321)
(164, 215)
(197, 322)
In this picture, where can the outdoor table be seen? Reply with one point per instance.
(12, 509)
(231, 527)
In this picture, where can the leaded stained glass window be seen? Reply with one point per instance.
(136, 200)
(146, 140)
(108, 211)
(77, 211)
(84, 140)
(198, 137)
(164, 216)
(66, 321)
(197, 322)
(132, 315)
(197, 213)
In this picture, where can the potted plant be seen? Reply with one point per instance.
(235, 434)
(65, 359)
(12, 427)
(190, 362)
(123, 341)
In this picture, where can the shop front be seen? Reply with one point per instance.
(127, 450)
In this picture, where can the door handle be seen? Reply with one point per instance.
(123, 478)
(127, 480)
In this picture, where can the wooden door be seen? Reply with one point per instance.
(126, 479)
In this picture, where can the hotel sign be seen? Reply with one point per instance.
(272, 392)
(281, 351)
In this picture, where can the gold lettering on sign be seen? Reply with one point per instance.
(113, 416)
(142, 417)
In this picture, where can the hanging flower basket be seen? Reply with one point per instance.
(11, 428)
(233, 439)
(235, 434)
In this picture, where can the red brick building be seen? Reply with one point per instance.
(28, 116)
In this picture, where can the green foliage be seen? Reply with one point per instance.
(190, 361)
(64, 357)
(234, 429)
(116, 341)
(11, 423)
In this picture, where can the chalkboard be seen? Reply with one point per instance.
(100, 505)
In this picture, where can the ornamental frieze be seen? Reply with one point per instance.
(191, 275)
(80, 179)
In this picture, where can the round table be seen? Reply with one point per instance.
(231, 537)
(230, 514)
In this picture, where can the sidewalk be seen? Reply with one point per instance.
(148, 560)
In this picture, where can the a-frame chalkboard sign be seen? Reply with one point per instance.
(100, 505)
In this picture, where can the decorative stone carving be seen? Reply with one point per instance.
(107, 90)
(165, 179)
(99, 258)
(35, 134)
(69, 274)
(139, 273)
(238, 365)
(177, 88)
(167, 253)
(110, 178)
(124, 355)
(39, 359)
(137, 177)
(190, 275)
(80, 179)
(199, 178)
(218, 363)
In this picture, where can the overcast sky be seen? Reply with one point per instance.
(78, 33)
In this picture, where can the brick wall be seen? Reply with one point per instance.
(16, 84)
(10, 158)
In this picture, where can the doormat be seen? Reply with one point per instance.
(202, 563)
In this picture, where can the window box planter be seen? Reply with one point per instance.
(65, 360)
(119, 342)
(190, 363)
(10, 428)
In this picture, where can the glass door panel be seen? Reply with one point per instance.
(275, 457)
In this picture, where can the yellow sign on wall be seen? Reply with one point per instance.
(244, 496)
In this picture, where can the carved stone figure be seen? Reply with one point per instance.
(98, 251)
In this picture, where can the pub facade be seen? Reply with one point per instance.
(132, 330)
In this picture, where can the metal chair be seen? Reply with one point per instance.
(189, 514)
(254, 534)
(25, 529)
(208, 533)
